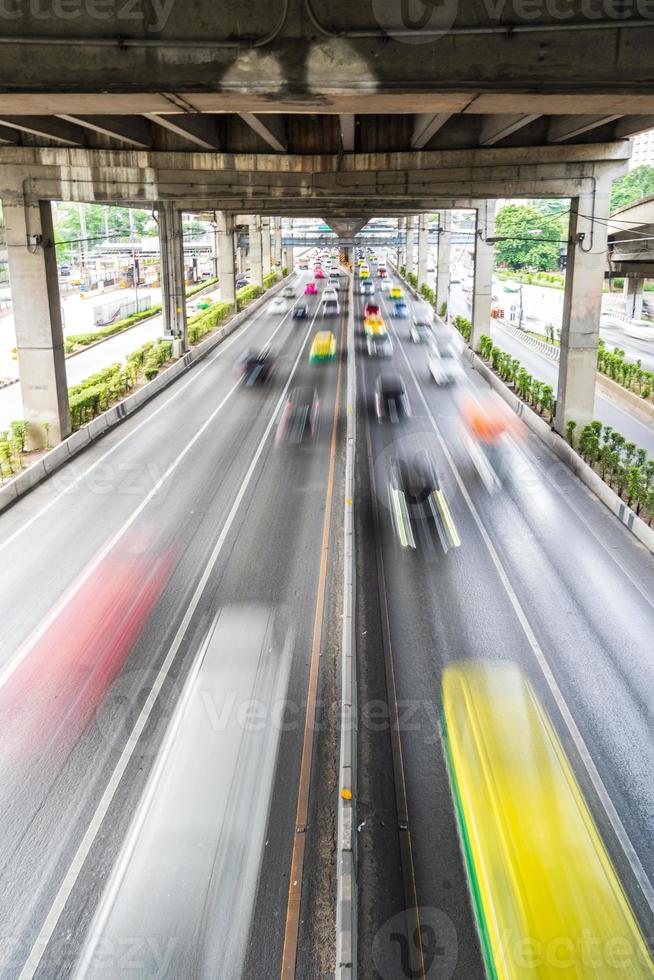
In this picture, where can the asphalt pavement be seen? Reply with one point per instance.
(172, 598)
(123, 567)
(544, 577)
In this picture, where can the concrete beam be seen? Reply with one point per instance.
(48, 127)
(496, 128)
(191, 127)
(632, 126)
(348, 128)
(427, 125)
(567, 127)
(132, 130)
(8, 136)
(270, 130)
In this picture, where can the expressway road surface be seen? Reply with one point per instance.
(124, 570)
(544, 577)
(541, 367)
(175, 582)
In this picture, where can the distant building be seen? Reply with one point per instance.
(643, 150)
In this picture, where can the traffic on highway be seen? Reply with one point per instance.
(171, 670)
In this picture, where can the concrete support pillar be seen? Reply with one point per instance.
(582, 305)
(277, 254)
(423, 249)
(266, 248)
(482, 287)
(443, 264)
(401, 251)
(347, 249)
(240, 258)
(633, 294)
(226, 260)
(256, 251)
(409, 254)
(37, 317)
(173, 287)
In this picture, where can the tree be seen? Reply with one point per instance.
(638, 183)
(533, 238)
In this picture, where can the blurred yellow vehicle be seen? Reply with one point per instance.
(323, 347)
(547, 899)
(395, 292)
(364, 272)
(374, 325)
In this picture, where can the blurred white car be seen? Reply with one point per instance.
(329, 293)
(288, 292)
(444, 364)
(386, 285)
(278, 305)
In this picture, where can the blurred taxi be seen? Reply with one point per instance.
(374, 324)
(323, 347)
(396, 292)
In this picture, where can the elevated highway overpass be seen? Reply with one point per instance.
(129, 567)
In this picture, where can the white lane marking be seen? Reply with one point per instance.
(602, 793)
(195, 374)
(67, 885)
(580, 516)
(33, 638)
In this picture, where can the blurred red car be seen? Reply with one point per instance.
(319, 274)
(310, 289)
(370, 309)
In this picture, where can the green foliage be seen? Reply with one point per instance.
(629, 374)
(635, 184)
(208, 320)
(94, 395)
(428, 293)
(464, 326)
(533, 238)
(412, 279)
(246, 294)
(570, 427)
(270, 279)
(442, 310)
(285, 271)
(203, 285)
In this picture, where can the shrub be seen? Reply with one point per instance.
(246, 294)
(442, 310)
(464, 327)
(270, 279)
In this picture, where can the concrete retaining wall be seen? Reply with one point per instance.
(57, 457)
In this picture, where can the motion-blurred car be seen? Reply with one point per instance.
(487, 431)
(278, 305)
(329, 292)
(419, 511)
(304, 265)
(323, 347)
(330, 306)
(421, 332)
(386, 286)
(395, 292)
(374, 324)
(242, 281)
(300, 310)
(288, 292)
(319, 273)
(443, 362)
(391, 399)
(310, 289)
(371, 309)
(381, 271)
(364, 273)
(367, 287)
(400, 310)
(379, 345)
(256, 367)
(335, 280)
(300, 417)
